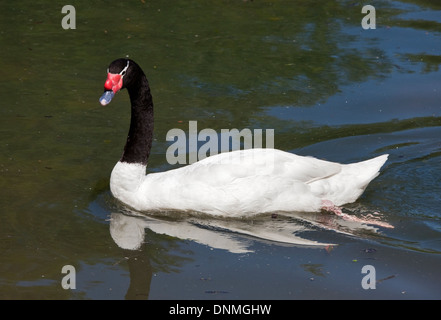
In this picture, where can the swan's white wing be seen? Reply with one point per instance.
(245, 182)
(239, 183)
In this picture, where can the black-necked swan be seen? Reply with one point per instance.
(231, 184)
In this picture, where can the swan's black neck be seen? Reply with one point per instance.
(139, 139)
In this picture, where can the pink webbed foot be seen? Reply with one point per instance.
(327, 205)
(330, 207)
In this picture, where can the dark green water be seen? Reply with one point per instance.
(306, 69)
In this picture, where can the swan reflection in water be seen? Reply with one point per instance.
(234, 235)
(237, 236)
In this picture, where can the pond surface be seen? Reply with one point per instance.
(309, 71)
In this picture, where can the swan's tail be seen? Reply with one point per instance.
(348, 185)
(367, 170)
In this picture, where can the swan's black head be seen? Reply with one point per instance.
(122, 73)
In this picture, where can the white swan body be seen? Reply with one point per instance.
(238, 183)
(244, 182)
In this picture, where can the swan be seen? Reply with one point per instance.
(232, 184)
